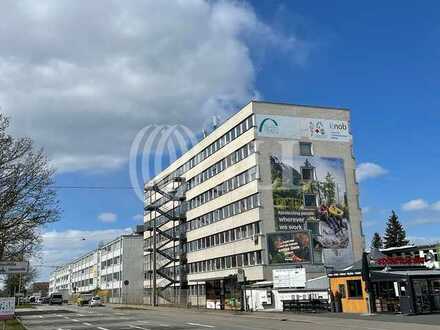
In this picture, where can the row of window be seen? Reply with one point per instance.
(223, 188)
(109, 262)
(224, 237)
(218, 167)
(111, 277)
(224, 212)
(238, 260)
(231, 135)
(221, 165)
(85, 271)
(82, 283)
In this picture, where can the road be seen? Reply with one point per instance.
(108, 318)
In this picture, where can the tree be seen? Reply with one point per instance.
(395, 235)
(19, 282)
(329, 189)
(27, 200)
(376, 242)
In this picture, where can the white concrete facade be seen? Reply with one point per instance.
(106, 269)
(229, 194)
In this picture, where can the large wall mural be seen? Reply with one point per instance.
(309, 193)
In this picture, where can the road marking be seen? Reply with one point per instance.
(40, 316)
(101, 328)
(75, 320)
(88, 324)
(202, 325)
(67, 318)
(80, 315)
(136, 327)
(164, 325)
(146, 322)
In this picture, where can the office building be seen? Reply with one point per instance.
(272, 188)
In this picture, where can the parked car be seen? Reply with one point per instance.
(95, 301)
(32, 299)
(55, 299)
(84, 299)
(39, 300)
(46, 300)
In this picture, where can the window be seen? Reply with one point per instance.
(354, 288)
(305, 149)
(309, 200)
(307, 173)
(341, 290)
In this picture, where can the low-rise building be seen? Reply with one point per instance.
(121, 269)
(114, 270)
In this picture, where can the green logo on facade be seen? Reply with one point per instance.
(268, 125)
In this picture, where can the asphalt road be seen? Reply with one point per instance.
(107, 318)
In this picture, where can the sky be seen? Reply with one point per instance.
(84, 78)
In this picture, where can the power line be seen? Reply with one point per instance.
(94, 187)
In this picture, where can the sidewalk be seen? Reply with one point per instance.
(427, 319)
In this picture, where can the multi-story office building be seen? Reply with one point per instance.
(84, 272)
(121, 269)
(106, 268)
(273, 187)
(60, 279)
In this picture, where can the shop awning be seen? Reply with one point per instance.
(396, 275)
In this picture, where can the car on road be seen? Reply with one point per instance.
(95, 301)
(56, 299)
(84, 299)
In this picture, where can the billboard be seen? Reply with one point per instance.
(299, 128)
(289, 278)
(310, 193)
(288, 247)
(7, 308)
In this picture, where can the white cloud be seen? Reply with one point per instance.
(424, 221)
(436, 206)
(366, 171)
(107, 217)
(60, 247)
(138, 217)
(415, 204)
(94, 85)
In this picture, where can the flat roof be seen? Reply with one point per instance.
(300, 105)
(156, 177)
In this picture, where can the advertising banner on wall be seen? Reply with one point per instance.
(311, 191)
(299, 128)
(289, 278)
(289, 247)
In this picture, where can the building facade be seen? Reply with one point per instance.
(121, 269)
(105, 270)
(273, 187)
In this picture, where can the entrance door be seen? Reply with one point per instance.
(423, 299)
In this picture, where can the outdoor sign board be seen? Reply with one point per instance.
(300, 128)
(398, 260)
(289, 278)
(13, 267)
(289, 247)
(309, 193)
(7, 308)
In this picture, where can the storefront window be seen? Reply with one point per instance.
(354, 288)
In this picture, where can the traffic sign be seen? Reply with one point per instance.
(240, 275)
(7, 308)
(14, 267)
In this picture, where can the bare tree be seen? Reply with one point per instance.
(27, 201)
